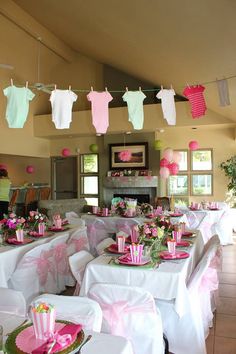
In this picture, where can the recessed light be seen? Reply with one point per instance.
(98, 134)
(194, 128)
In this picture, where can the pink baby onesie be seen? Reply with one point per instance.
(195, 96)
(100, 117)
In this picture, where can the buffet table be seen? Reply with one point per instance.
(166, 282)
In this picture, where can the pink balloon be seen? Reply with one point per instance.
(164, 172)
(177, 157)
(164, 162)
(173, 168)
(193, 145)
(30, 169)
(168, 154)
(65, 152)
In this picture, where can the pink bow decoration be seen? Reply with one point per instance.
(60, 256)
(216, 261)
(113, 313)
(44, 266)
(209, 280)
(80, 243)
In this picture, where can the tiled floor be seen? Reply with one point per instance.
(222, 338)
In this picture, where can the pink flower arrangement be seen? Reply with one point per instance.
(12, 223)
(125, 155)
(35, 218)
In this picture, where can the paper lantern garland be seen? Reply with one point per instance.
(169, 164)
(65, 152)
(193, 145)
(30, 169)
(93, 148)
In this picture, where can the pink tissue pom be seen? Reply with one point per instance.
(125, 155)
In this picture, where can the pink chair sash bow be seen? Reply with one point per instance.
(43, 264)
(209, 280)
(80, 243)
(60, 256)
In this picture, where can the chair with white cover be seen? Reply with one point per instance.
(12, 308)
(126, 225)
(35, 273)
(60, 260)
(224, 228)
(97, 231)
(79, 310)
(77, 263)
(130, 312)
(194, 219)
(104, 244)
(74, 219)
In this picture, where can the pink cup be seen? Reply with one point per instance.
(41, 228)
(121, 243)
(136, 252)
(134, 235)
(130, 212)
(105, 211)
(182, 226)
(177, 235)
(58, 223)
(171, 246)
(95, 209)
(20, 235)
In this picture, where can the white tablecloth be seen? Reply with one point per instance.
(166, 282)
(11, 255)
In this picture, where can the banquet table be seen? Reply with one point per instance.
(166, 282)
(112, 224)
(99, 343)
(10, 255)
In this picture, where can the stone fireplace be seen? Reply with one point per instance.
(142, 188)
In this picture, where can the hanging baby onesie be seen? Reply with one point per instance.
(17, 105)
(195, 96)
(100, 116)
(62, 102)
(223, 92)
(134, 101)
(168, 105)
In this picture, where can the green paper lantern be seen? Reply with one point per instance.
(93, 148)
(157, 144)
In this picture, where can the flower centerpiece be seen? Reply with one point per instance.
(11, 223)
(34, 219)
(119, 207)
(154, 234)
(146, 208)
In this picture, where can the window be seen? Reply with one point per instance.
(195, 175)
(89, 178)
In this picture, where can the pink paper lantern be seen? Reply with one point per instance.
(193, 145)
(164, 172)
(168, 154)
(164, 162)
(177, 157)
(173, 168)
(30, 169)
(3, 167)
(125, 155)
(65, 152)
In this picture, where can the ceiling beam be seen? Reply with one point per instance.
(23, 20)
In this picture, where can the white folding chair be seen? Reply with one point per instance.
(131, 313)
(76, 309)
(12, 309)
(35, 273)
(224, 228)
(60, 260)
(78, 241)
(195, 219)
(104, 244)
(96, 231)
(77, 263)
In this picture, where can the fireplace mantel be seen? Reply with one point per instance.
(130, 182)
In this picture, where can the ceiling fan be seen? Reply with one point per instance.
(39, 85)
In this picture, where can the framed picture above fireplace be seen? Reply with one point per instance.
(129, 156)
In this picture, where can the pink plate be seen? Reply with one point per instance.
(175, 215)
(177, 255)
(114, 249)
(214, 209)
(126, 260)
(13, 241)
(187, 234)
(36, 234)
(55, 229)
(183, 244)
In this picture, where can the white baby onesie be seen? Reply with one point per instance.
(134, 101)
(62, 102)
(168, 105)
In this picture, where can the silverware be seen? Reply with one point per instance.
(86, 341)
(51, 346)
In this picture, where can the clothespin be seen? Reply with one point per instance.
(161, 87)
(26, 84)
(106, 89)
(11, 82)
(188, 85)
(91, 88)
(69, 87)
(140, 89)
(55, 87)
(171, 86)
(126, 89)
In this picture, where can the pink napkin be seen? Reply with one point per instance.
(69, 329)
(114, 247)
(183, 244)
(126, 258)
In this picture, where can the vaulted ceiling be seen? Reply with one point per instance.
(163, 42)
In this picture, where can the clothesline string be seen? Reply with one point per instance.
(144, 90)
